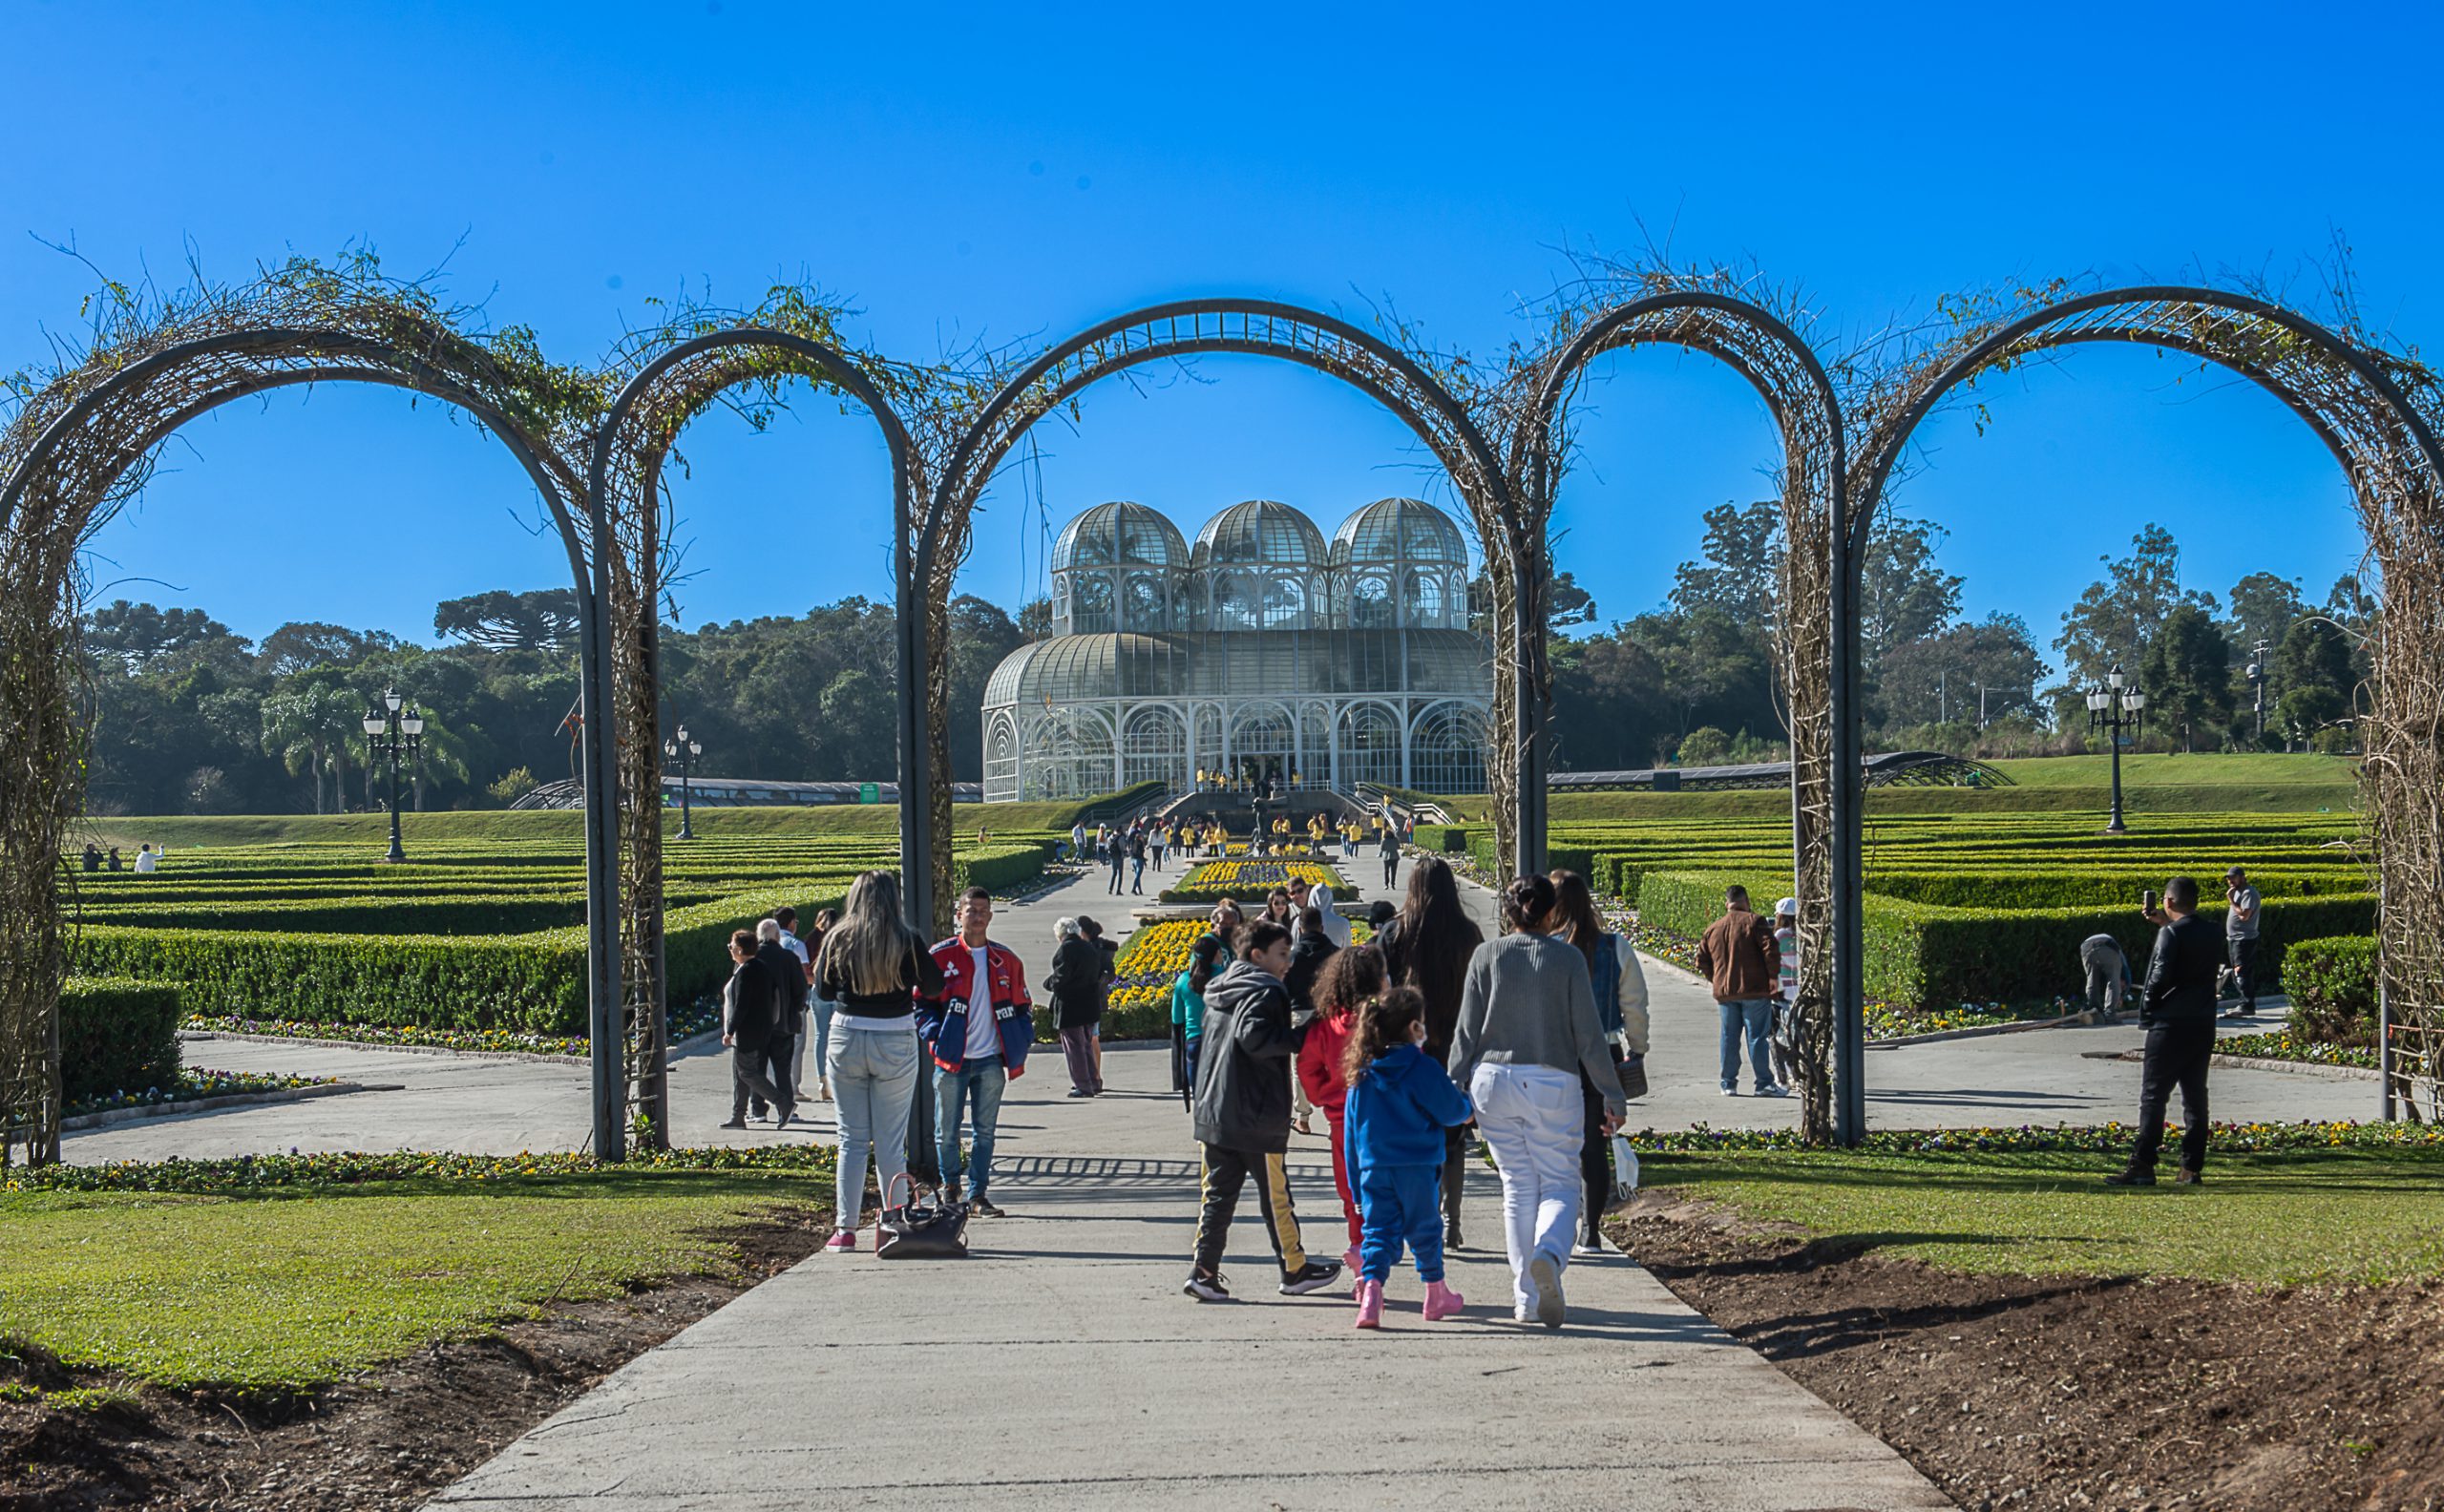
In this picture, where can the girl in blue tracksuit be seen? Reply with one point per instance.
(1399, 1102)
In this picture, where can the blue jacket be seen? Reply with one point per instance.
(1397, 1110)
(943, 1021)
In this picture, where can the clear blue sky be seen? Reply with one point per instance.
(1008, 173)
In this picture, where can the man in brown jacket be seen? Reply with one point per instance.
(1738, 955)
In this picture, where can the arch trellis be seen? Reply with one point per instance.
(1763, 349)
(1175, 331)
(82, 446)
(2361, 404)
(671, 386)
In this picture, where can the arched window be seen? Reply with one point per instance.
(1154, 748)
(1370, 603)
(1060, 604)
(1285, 601)
(1090, 610)
(1263, 745)
(1144, 606)
(1424, 600)
(1370, 745)
(1448, 750)
(1068, 755)
(1001, 762)
(1238, 602)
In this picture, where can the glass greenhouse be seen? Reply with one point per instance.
(1263, 652)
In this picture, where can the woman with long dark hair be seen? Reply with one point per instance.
(1620, 1006)
(873, 967)
(1527, 1031)
(1429, 946)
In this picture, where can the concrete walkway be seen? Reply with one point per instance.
(1060, 1367)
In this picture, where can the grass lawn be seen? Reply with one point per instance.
(290, 1292)
(2352, 1217)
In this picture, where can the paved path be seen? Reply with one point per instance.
(1060, 1367)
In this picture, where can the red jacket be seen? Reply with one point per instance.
(1319, 1060)
(945, 1017)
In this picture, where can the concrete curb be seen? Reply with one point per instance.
(687, 1047)
(1983, 1031)
(214, 1104)
(2233, 1063)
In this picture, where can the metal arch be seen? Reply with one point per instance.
(2011, 338)
(1613, 332)
(389, 365)
(916, 839)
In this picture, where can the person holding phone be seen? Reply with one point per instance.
(2178, 1008)
(2242, 907)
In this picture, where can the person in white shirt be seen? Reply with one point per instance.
(146, 859)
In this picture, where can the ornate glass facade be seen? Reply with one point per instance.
(1264, 651)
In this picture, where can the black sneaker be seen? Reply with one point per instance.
(1312, 1276)
(2185, 1177)
(1206, 1288)
(734, 1123)
(2133, 1177)
(983, 1208)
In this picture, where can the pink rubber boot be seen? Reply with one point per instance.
(1441, 1302)
(1370, 1304)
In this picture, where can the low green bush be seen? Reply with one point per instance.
(2332, 983)
(116, 1034)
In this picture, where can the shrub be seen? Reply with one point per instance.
(2333, 986)
(116, 1034)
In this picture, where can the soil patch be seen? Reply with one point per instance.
(2036, 1393)
(389, 1439)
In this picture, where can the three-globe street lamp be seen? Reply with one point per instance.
(685, 752)
(395, 731)
(2114, 709)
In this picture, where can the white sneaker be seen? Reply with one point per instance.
(1730, 1091)
(1550, 1310)
(1773, 1091)
(1583, 1250)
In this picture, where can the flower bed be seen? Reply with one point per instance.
(193, 1083)
(251, 1173)
(2284, 1046)
(1243, 881)
(2114, 1138)
(685, 1022)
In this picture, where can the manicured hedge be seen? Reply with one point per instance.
(2332, 987)
(117, 1034)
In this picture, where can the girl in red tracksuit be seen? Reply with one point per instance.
(1349, 979)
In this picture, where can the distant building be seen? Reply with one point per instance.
(1262, 653)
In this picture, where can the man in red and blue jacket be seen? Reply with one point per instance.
(977, 1032)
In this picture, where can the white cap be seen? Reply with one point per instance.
(1788, 906)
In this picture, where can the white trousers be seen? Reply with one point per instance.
(1535, 1120)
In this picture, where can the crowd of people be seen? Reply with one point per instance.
(148, 858)
(1536, 1039)
(1127, 849)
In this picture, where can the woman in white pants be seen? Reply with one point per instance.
(1527, 1031)
(872, 969)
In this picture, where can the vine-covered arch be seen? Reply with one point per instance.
(80, 446)
(2378, 415)
(669, 389)
(1765, 350)
(1180, 329)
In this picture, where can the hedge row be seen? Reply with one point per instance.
(117, 1035)
(1928, 955)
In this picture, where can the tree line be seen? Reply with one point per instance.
(189, 717)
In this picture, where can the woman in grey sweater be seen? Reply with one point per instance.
(1528, 1030)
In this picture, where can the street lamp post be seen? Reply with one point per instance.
(394, 731)
(685, 752)
(2256, 686)
(2113, 709)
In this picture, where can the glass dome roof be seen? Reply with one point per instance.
(1120, 533)
(1260, 532)
(1400, 529)
(1096, 669)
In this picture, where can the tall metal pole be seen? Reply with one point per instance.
(398, 851)
(2113, 727)
(606, 1049)
(1527, 799)
(1849, 880)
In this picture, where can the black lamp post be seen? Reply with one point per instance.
(392, 731)
(2256, 686)
(685, 752)
(2114, 709)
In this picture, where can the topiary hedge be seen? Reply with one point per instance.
(2332, 983)
(118, 1034)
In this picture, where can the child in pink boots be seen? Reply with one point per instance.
(1399, 1102)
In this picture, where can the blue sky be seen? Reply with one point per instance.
(1006, 175)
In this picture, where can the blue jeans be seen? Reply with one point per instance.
(1750, 1016)
(982, 1081)
(874, 1081)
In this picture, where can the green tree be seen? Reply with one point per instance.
(2118, 617)
(512, 785)
(1738, 565)
(1705, 747)
(2186, 674)
(2313, 668)
(544, 619)
(1904, 596)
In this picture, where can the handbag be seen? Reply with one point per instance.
(1632, 1070)
(909, 1231)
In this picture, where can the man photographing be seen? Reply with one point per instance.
(2178, 1008)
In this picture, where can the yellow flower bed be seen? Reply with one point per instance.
(1253, 874)
(1158, 948)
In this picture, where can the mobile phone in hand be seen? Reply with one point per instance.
(2147, 901)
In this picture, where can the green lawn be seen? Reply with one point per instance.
(2210, 768)
(2353, 1216)
(289, 1292)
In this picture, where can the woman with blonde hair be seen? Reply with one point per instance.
(872, 969)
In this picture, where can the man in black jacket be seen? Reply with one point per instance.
(750, 1006)
(1242, 1114)
(787, 974)
(2178, 1007)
